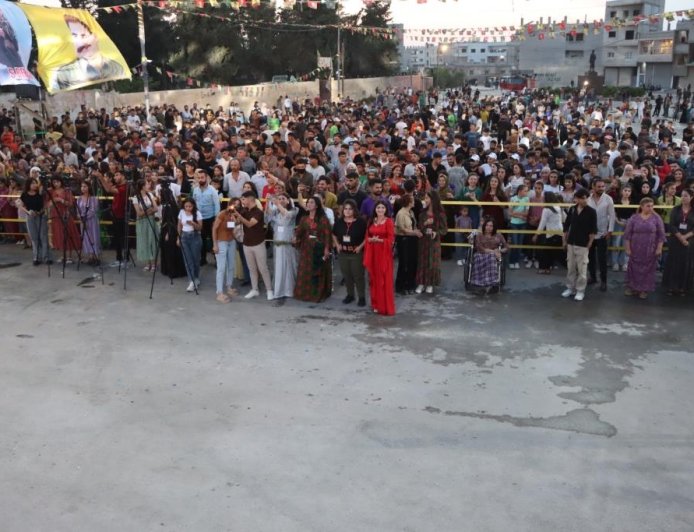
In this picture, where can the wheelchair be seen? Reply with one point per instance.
(469, 265)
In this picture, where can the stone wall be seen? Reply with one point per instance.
(245, 96)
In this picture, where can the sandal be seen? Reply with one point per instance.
(628, 292)
(643, 295)
(222, 298)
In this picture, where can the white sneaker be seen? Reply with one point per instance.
(568, 293)
(615, 267)
(430, 290)
(460, 263)
(191, 287)
(625, 268)
(270, 295)
(528, 264)
(252, 294)
(115, 264)
(419, 289)
(579, 296)
(197, 283)
(536, 264)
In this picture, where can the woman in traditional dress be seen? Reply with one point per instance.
(406, 241)
(146, 228)
(378, 260)
(313, 238)
(64, 233)
(678, 276)
(172, 264)
(489, 247)
(643, 243)
(494, 193)
(281, 214)
(87, 210)
(432, 222)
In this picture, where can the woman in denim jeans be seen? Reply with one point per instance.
(190, 241)
(624, 209)
(519, 215)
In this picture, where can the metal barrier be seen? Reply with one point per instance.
(444, 202)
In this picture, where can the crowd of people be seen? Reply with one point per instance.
(283, 194)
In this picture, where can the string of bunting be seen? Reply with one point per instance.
(536, 30)
(377, 32)
(233, 4)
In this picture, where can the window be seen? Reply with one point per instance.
(628, 55)
(611, 34)
(610, 55)
(579, 37)
(629, 35)
(613, 14)
(473, 50)
(482, 50)
(626, 13)
(637, 12)
(572, 54)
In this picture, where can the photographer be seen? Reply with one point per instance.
(119, 189)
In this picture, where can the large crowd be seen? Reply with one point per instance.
(288, 190)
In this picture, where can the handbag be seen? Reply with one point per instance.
(238, 233)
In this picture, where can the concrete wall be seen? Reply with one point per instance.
(245, 96)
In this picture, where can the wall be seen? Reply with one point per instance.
(245, 96)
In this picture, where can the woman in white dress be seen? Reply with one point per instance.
(281, 213)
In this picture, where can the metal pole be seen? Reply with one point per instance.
(339, 66)
(143, 55)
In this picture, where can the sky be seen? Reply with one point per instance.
(466, 13)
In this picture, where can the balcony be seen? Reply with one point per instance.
(682, 48)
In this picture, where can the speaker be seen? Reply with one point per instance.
(26, 92)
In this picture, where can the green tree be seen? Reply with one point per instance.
(367, 54)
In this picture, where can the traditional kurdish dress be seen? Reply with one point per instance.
(429, 248)
(286, 256)
(485, 267)
(679, 263)
(378, 261)
(87, 209)
(64, 233)
(643, 234)
(146, 230)
(314, 275)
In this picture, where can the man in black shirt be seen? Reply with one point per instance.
(352, 191)
(580, 228)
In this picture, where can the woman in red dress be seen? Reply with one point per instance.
(64, 234)
(378, 260)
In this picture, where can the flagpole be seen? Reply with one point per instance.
(143, 55)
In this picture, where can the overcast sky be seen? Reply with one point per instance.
(468, 13)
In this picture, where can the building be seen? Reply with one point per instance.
(683, 55)
(621, 50)
(480, 60)
(419, 58)
(558, 61)
(654, 59)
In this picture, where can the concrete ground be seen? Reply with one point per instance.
(520, 411)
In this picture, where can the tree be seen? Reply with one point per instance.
(368, 54)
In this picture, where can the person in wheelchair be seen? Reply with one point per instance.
(486, 267)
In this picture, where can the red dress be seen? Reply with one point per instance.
(378, 261)
(64, 232)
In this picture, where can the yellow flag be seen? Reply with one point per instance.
(74, 51)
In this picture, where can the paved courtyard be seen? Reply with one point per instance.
(519, 412)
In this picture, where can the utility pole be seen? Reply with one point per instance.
(337, 59)
(143, 55)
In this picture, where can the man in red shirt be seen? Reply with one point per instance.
(119, 190)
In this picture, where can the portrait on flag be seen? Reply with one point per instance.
(15, 46)
(74, 51)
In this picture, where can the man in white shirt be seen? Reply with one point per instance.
(133, 121)
(234, 180)
(315, 169)
(604, 207)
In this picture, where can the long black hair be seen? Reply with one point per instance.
(373, 213)
(320, 212)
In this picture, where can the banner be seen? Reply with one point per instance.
(15, 46)
(73, 49)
